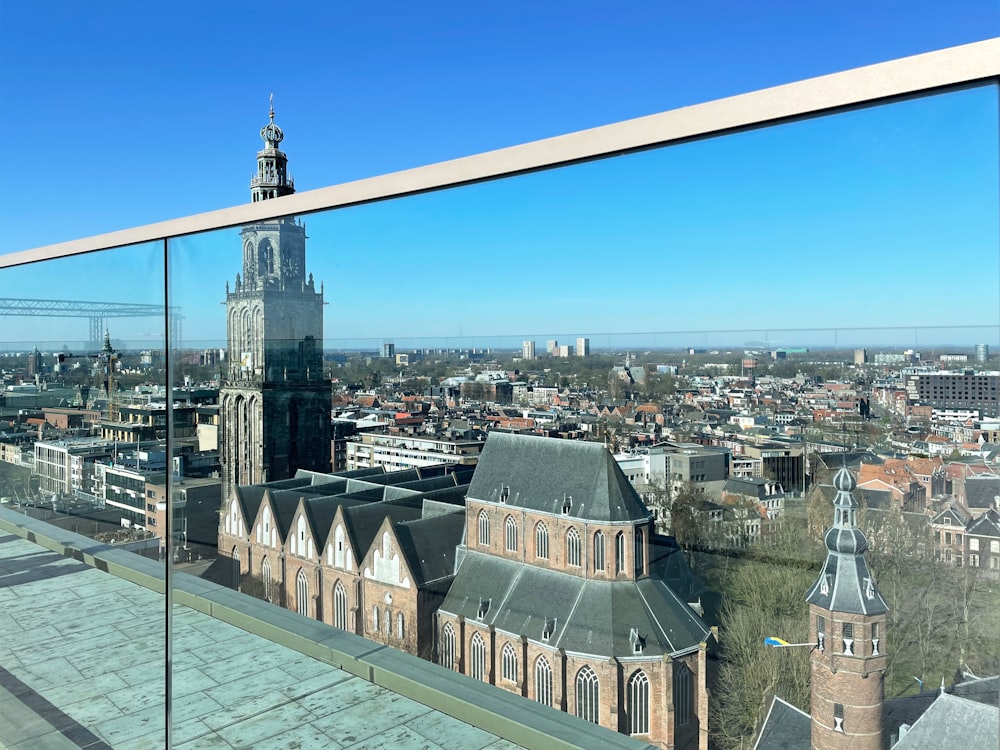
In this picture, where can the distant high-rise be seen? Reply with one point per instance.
(388, 350)
(527, 350)
(583, 347)
(551, 345)
(860, 356)
(982, 352)
(275, 403)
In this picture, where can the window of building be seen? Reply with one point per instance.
(995, 546)
(875, 639)
(301, 593)
(543, 681)
(838, 717)
(573, 547)
(683, 683)
(375, 619)
(619, 552)
(588, 695)
(848, 638)
(510, 534)
(477, 657)
(340, 606)
(973, 560)
(541, 541)
(388, 620)
(484, 528)
(639, 556)
(400, 626)
(265, 574)
(508, 663)
(973, 544)
(599, 551)
(448, 646)
(820, 632)
(637, 708)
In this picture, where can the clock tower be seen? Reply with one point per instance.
(847, 617)
(274, 401)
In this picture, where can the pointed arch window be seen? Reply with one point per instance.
(510, 534)
(508, 661)
(639, 556)
(543, 681)
(340, 606)
(637, 706)
(599, 551)
(573, 547)
(484, 528)
(400, 626)
(683, 683)
(236, 568)
(619, 552)
(588, 694)
(541, 541)
(301, 593)
(448, 646)
(375, 619)
(477, 660)
(265, 574)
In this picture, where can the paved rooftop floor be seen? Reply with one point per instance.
(82, 666)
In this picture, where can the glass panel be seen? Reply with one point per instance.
(750, 303)
(81, 406)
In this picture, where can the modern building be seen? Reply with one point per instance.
(370, 450)
(566, 595)
(274, 400)
(527, 350)
(583, 347)
(982, 352)
(966, 389)
(388, 350)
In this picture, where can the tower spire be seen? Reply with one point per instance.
(272, 179)
(848, 620)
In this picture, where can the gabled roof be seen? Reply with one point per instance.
(981, 491)
(987, 524)
(952, 722)
(429, 545)
(785, 728)
(543, 473)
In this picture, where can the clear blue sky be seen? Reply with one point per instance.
(117, 114)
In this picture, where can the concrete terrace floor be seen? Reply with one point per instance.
(82, 666)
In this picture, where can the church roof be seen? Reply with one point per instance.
(952, 721)
(585, 616)
(543, 474)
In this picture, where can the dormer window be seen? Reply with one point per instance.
(824, 585)
(869, 589)
(504, 493)
(484, 607)
(548, 629)
(637, 641)
(567, 504)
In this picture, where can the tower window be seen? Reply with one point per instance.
(875, 639)
(838, 717)
(848, 637)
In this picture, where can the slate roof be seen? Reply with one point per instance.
(981, 491)
(429, 545)
(785, 728)
(953, 722)
(987, 524)
(591, 617)
(587, 474)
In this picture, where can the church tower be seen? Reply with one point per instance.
(847, 622)
(275, 403)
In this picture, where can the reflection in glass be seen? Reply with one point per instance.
(82, 408)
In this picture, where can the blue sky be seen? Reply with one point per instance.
(119, 115)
